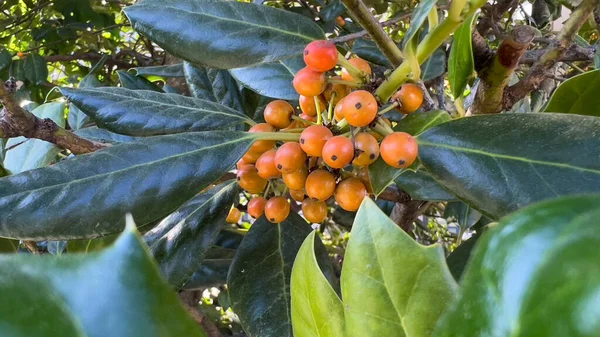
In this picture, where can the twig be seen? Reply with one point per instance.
(554, 52)
(374, 29)
(404, 214)
(493, 14)
(190, 302)
(573, 54)
(16, 121)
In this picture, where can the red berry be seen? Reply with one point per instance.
(320, 55)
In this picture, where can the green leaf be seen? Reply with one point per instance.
(133, 82)
(17, 70)
(421, 186)
(214, 85)
(418, 122)
(534, 274)
(391, 285)
(212, 273)
(578, 95)
(76, 118)
(172, 70)
(35, 69)
(8, 245)
(368, 50)
(458, 259)
(434, 66)
(91, 245)
(460, 60)
(259, 278)
(382, 175)
(146, 113)
(418, 18)
(316, 308)
(87, 196)
(5, 59)
(271, 79)
(223, 34)
(180, 242)
(28, 154)
(500, 163)
(464, 214)
(61, 289)
(104, 136)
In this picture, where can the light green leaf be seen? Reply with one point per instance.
(419, 15)
(316, 308)
(28, 154)
(460, 61)
(578, 95)
(391, 285)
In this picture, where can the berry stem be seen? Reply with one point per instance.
(342, 124)
(305, 121)
(388, 108)
(330, 108)
(283, 136)
(350, 84)
(382, 128)
(293, 130)
(352, 69)
(250, 122)
(319, 116)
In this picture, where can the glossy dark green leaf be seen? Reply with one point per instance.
(17, 70)
(5, 59)
(223, 34)
(91, 245)
(316, 308)
(133, 82)
(146, 113)
(391, 285)
(458, 259)
(87, 196)
(259, 278)
(367, 49)
(172, 70)
(78, 119)
(534, 274)
(180, 241)
(464, 214)
(35, 69)
(215, 85)
(28, 154)
(212, 273)
(578, 95)
(382, 175)
(418, 18)
(460, 60)
(421, 186)
(434, 66)
(271, 79)
(104, 136)
(61, 288)
(500, 163)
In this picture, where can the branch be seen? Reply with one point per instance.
(354, 36)
(493, 14)
(393, 193)
(368, 22)
(496, 76)
(404, 214)
(553, 53)
(572, 54)
(190, 300)
(115, 60)
(16, 121)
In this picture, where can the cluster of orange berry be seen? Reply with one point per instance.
(341, 132)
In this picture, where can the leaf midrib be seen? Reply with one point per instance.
(508, 157)
(127, 168)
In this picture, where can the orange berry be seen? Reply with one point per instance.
(308, 118)
(308, 82)
(277, 209)
(320, 55)
(297, 179)
(339, 110)
(290, 158)
(367, 149)
(350, 193)
(297, 195)
(360, 108)
(399, 149)
(265, 165)
(249, 180)
(234, 215)
(279, 113)
(241, 163)
(308, 106)
(340, 21)
(256, 207)
(410, 98)
(358, 63)
(20, 54)
(338, 152)
(320, 185)
(261, 146)
(340, 91)
(251, 157)
(314, 211)
(313, 138)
